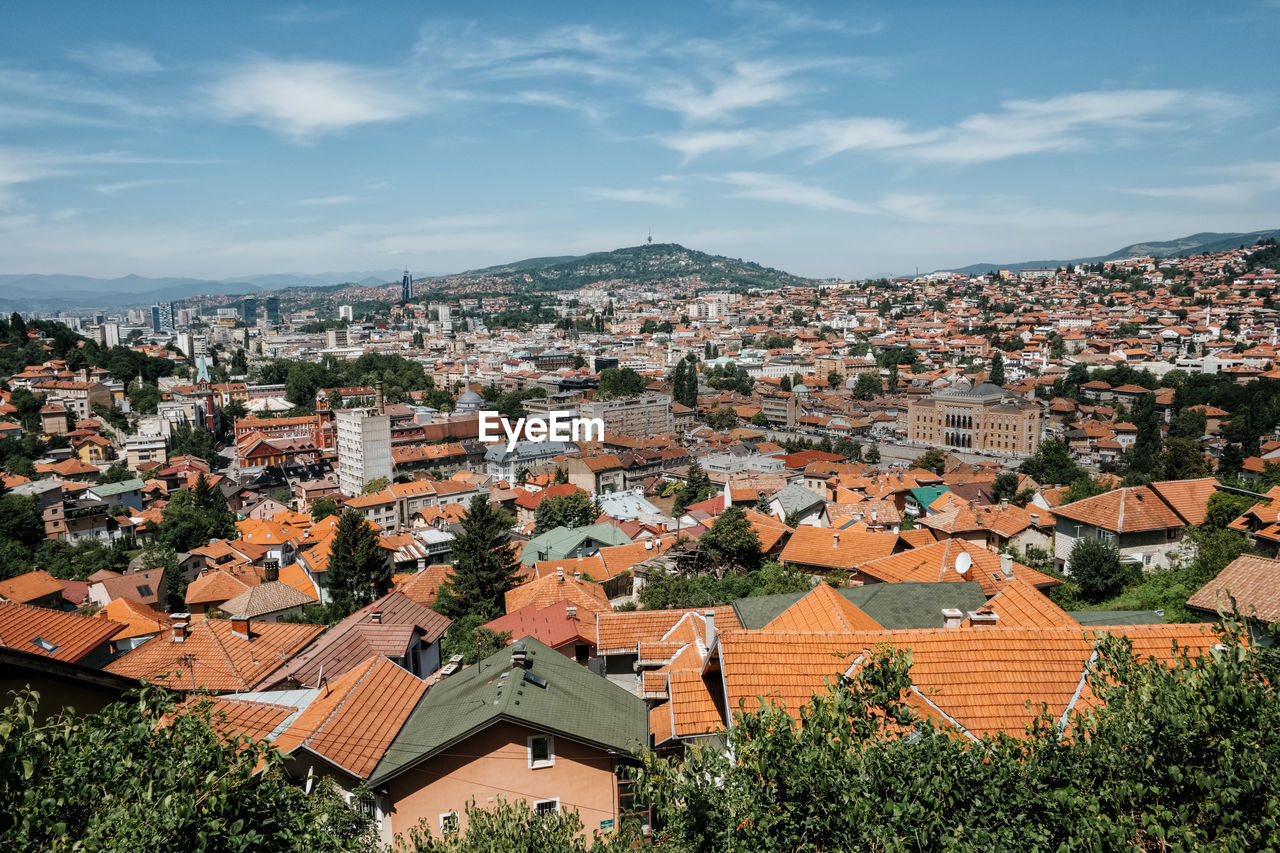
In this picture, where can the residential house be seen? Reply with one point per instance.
(53, 634)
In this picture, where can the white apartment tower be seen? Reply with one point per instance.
(364, 447)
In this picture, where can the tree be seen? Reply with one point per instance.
(1096, 566)
(117, 473)
(418, 341)
(732, 543)
(722, 418)
(1144, 456)
(620, 382)
(760, 419)
(377, 484)
(1086, 487)
(932, 459)
(232, 412)
(784, 384)
(359, 568)
(867, 386)
(322, 508)
(872, 454)
(1005, 487)
(514, 827)
(1052, 464)
(996, 376)
(892, 383)
(485, 566)
(466, 636)
(144, 398)
(193, 517)
(834, 379)
(697, 487)
(575, 509)
(196, 441)
(137, 776)
(1182, 460)
(1224, 508)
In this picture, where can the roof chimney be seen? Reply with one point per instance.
(375, 616)
(577, 575)
(1004, 503)
(270, 571)
(180, 626)
(571, 612)
(710, 617)
(983, 619)
(519, 656)
(835, 539)
(560, 574)
(951, 617)
(1006, 566)
(240, 627)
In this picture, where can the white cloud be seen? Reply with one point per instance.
(662, 198)
(793, 18)
(117, 59)
(326, 201)
(745, 85)
(1245, 182)
(776, 188)
(303, 99)
(123, 186)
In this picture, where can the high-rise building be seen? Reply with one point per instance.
(109, 335)
(249, 311)
(272, 305)
(346, 312)
(162, 317)
(446, 319)
(406, 287)
(364, 448)
(642, 415)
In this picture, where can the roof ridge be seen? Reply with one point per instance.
(231, 667)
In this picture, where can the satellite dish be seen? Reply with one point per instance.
(963, 562)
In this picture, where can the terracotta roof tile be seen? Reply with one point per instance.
(30, 586)
(545, 591)
(1125, 510)
(620, 632)
(823, 610)
(836, 549)
(71, 635)
(1254, 582)
(936, 562)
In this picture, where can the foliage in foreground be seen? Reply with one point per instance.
(120, 780)
(1182, 757)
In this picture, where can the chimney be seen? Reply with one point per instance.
(875, 515)
(519, 656)
(375, 617)
(835, 539)
(181, 626)
(377, 397)
(240, 627)
(577, 575)
(270, 571)
(1006, 566)
(710, 617)
(571, 612)
(983, 620)
(560, 574)
(1035, 519)
(951, 617)
(648, 544)
(1004, 503)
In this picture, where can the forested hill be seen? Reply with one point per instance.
(652, 265)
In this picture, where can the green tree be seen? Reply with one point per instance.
(136, 776)
(872, 454)
(359, 568)
(1224, 508)
(1144, 457)
(722, 418)
(1005, 487)
(1086, 487)
(418, 341)
(932, 459)
(697, 487)
(513, 827)
(485, 566)
(1052, 464)
(196, 441)
(468, 637)
(144, 398)
(620, 382)
(323, 508)
(117, 473)
(1097, 568)
(732, 543)
(835, 379)
(193, 517)
(1182, 460)
(867, 386)
(377, 484)
(759, 419)
(996, 376)
(575, 509)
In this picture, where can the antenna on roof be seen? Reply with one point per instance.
(963, 562)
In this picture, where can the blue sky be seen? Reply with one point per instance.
(832, 139)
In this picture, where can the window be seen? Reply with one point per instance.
(547, 807)
(449, 823)
(542, 751)
(367, 803)
(45, 644)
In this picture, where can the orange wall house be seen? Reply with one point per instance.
(496, 762)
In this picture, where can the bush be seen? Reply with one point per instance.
(1098, 570)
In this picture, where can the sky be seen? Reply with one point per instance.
(829, 140)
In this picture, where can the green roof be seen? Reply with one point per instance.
(1117, 617)
(893, 605)
(105, 490)
(926, 495)
(561, 542)
(574, 703)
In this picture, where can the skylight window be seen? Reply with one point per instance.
(144, 590)
(46, 645)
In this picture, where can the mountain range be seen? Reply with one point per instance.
(639, 265)
(1193, 244)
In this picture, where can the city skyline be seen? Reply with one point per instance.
(844, 142)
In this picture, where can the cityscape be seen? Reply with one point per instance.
(729, 469)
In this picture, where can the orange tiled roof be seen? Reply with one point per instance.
(548, 590)
(139, 620)
(73, 636)
(231, 716)
(424, 586)
(1189, 498)
(1254, 582)
(213, 658)
(836, 549)
(30, 586)
(620, 632)
(354, 721)
(936, 562)
(1018, 604)
(823, 610)
(1126, 510)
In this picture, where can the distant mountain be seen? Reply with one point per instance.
(648, 264)
(1194, 244)
(66, 292)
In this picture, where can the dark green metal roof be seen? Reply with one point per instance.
(575, 703)
(1117, 617)
(893, 605)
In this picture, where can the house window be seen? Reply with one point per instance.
(45, 644)
(547, 807)
(542, 751)
(449, 823)
(367, 803)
